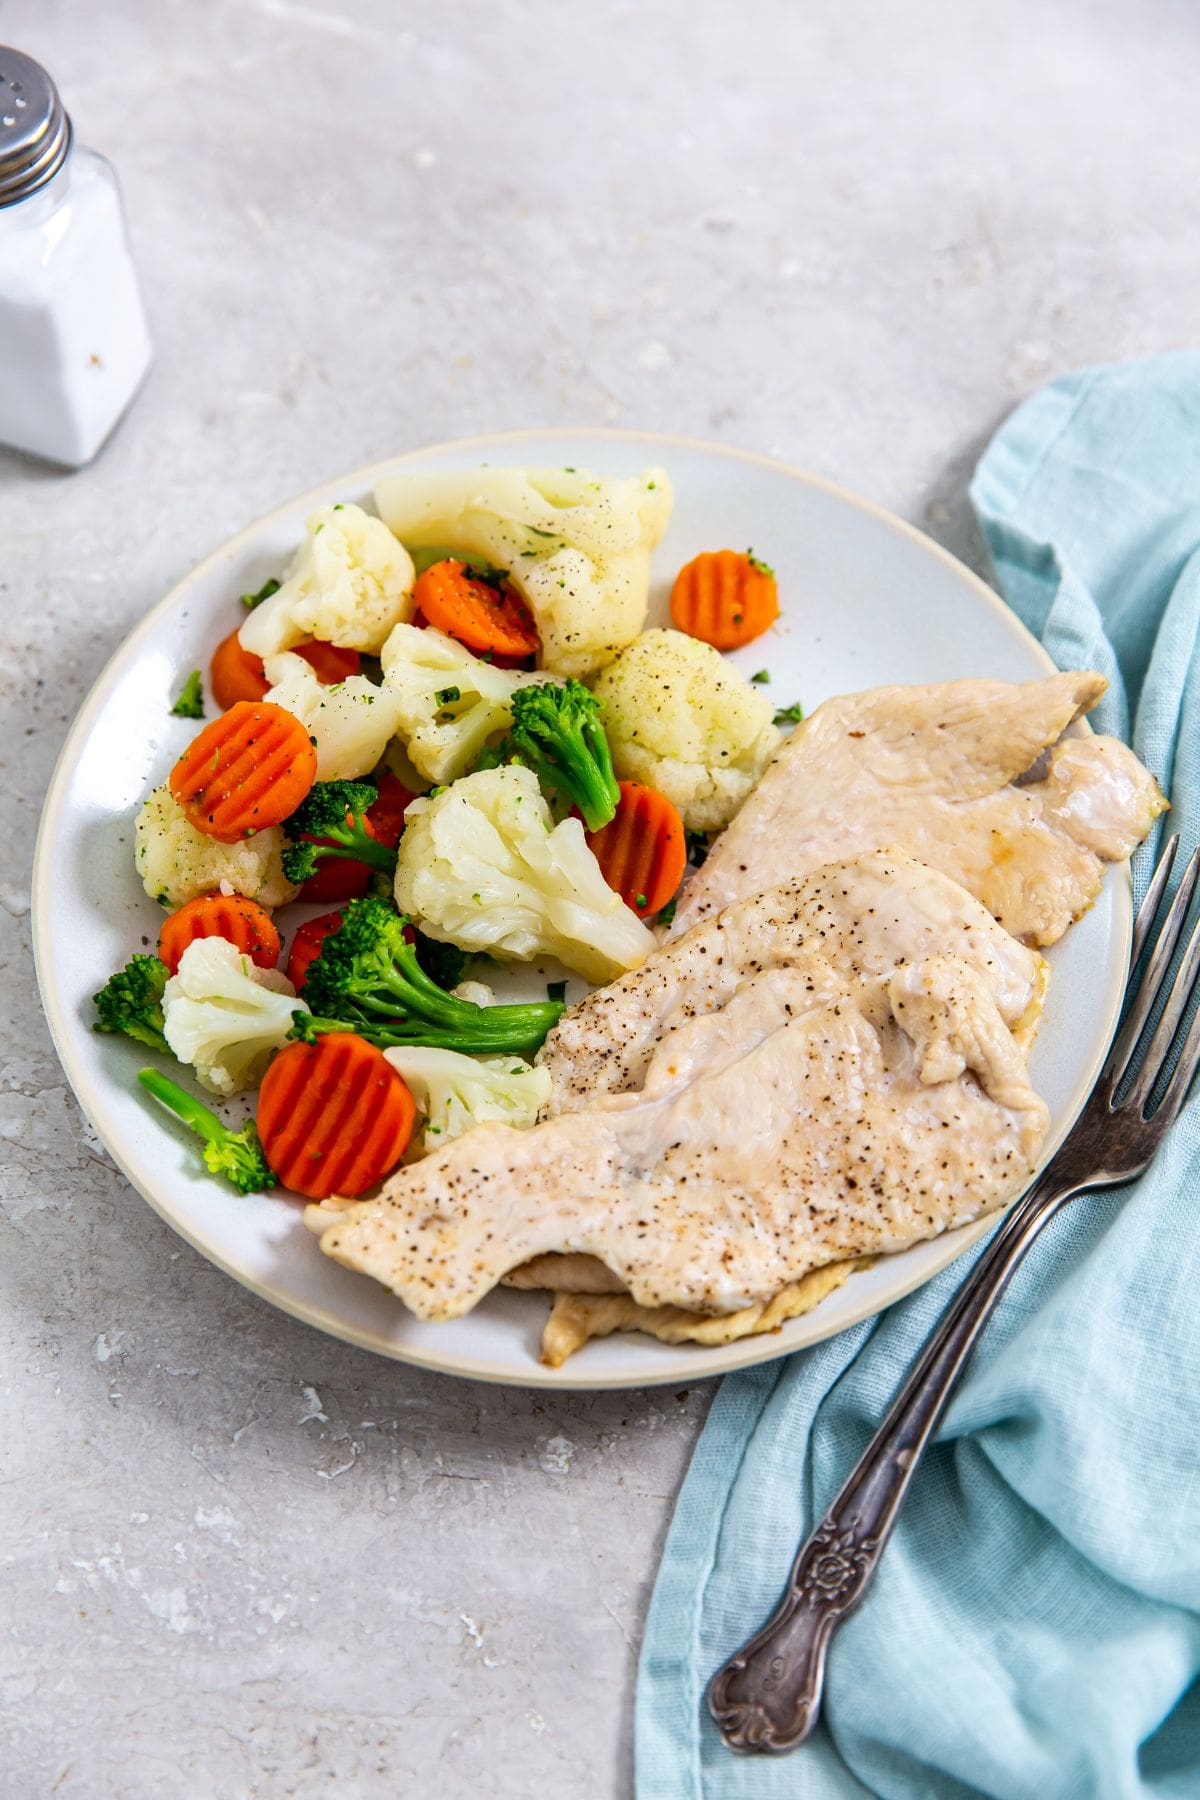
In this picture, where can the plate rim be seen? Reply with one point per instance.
(744, 1352)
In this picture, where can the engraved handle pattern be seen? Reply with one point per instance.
(767, 1697)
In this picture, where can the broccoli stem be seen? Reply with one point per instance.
(517, 1035)
(417, 1011)
(368, 978)
(237, 1155)
(185, 1106)
(356, 842)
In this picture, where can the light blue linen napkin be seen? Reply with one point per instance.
(1034, 1631)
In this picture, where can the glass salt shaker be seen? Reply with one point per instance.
(74, 344)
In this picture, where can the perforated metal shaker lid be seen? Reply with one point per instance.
(35, 132)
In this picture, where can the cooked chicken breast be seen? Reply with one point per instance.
(810, 1079)
(576, 1317)
(936, 773)
(867, 917)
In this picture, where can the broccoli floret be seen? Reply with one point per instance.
(556, 732)
(333, 810)
(190, 704)
(237, 1155)
(131, 1001)
(368, 978)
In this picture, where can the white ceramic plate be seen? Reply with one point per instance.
(866, 600)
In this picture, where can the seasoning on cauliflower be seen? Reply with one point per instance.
(176, 862)
(350, 723)
(454, 1092)
(225, 1015)
(577, 545)
(451, 701)
(483, 865)
(348, 584)
(683, 720)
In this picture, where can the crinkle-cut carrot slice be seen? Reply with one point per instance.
(242, 922)
(329, 662)
(642, 850)
(237, 674)
(247, 770)
(483, 615)
(334, 1116)
(724, 597)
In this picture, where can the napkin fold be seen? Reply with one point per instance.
(1033, 1632)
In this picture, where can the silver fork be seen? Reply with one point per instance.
(768, 1696)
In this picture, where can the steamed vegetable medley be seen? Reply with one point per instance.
(445, 726)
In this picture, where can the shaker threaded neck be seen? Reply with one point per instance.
(35, 131)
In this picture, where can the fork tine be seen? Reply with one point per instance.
(1150, 986)
(1158, 1049)
(1153, 898)
(1176, 1090)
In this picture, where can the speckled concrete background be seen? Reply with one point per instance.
(239, 1559)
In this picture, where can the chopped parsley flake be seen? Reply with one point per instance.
(790, 715)
(762, 676)
(446, 695)
(557, 990)
(190, 703)
(756, 562)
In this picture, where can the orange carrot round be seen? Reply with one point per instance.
(236, 674)
(641, 851)
(481, 616)
(249, 769)
(329, 662)
(306, 945)
(725, 597)
(241, 921)
(334, 1116)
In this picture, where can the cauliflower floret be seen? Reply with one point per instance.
(454, 1091)
(176, 862)
(577, 545)
(226, 1016)
(682, 719)
(348, 584)
(350, 723)
(451, 701)
(483, 865)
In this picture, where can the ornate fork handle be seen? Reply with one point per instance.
(767, 1696)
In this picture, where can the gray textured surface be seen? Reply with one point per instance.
(239, 1559)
